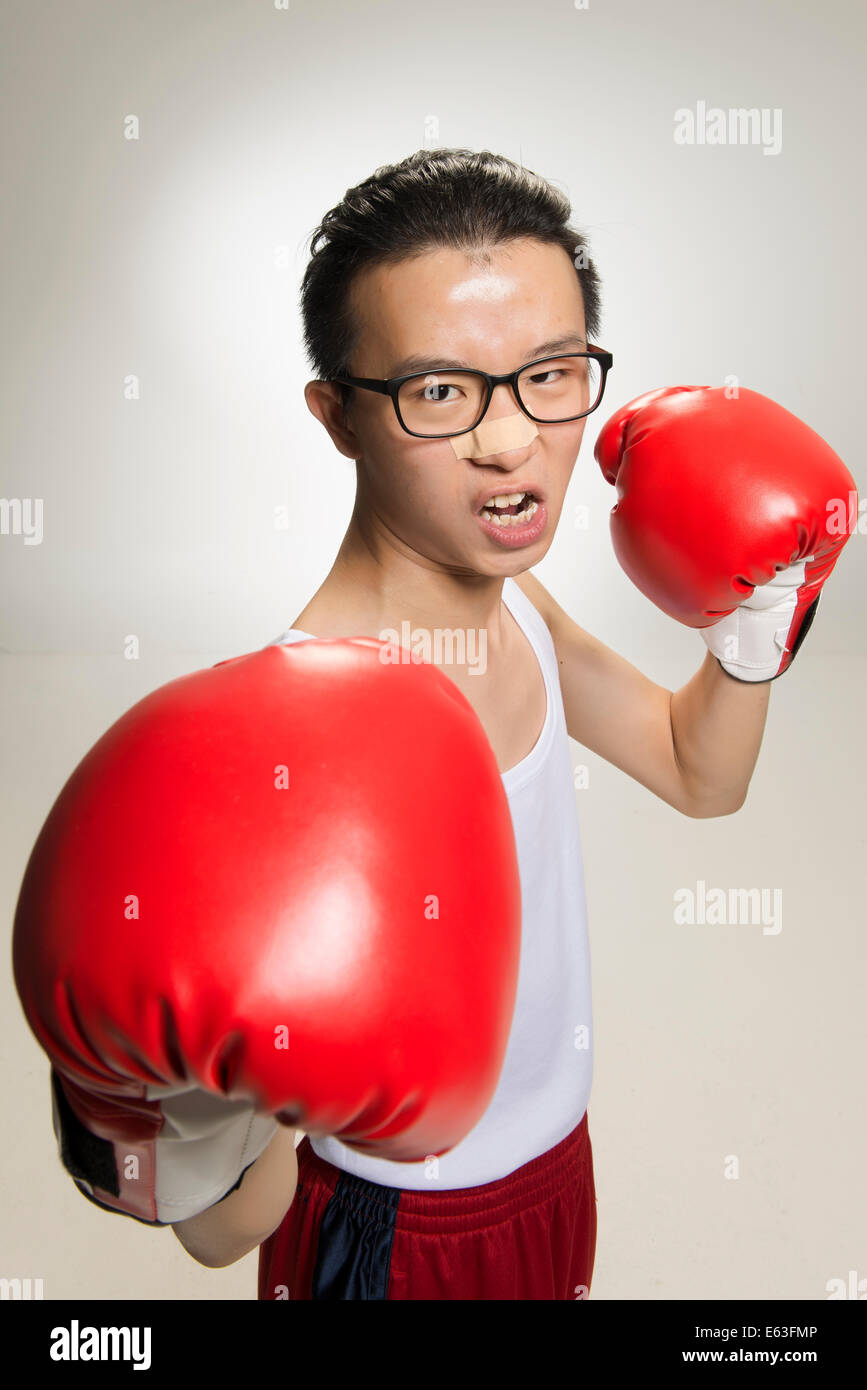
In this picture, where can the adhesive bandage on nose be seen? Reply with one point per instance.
(495, 437)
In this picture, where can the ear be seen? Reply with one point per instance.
(326, 403)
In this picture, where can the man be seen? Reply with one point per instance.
(452, 316)
(451, 259)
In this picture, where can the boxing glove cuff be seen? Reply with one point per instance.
(750, 643)
(162, 1158)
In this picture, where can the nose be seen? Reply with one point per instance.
(504, 395)
(503, 436)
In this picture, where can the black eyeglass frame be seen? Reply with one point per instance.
(392, 385)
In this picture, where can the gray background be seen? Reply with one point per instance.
(177, 258)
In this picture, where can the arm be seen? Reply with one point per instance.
(233, 1227)
(695, 748)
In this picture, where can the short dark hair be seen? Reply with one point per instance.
(441, 197)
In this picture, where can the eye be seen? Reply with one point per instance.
(426, 393)
(549, 371)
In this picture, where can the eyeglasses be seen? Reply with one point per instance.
(446, 401)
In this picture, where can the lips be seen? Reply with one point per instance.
(513, 535)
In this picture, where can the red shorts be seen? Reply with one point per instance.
(529, 1235)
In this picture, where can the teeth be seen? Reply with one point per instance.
(512, 520)
(506, 499)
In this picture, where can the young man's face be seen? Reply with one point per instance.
(496, 318)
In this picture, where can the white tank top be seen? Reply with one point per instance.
(544, 1085)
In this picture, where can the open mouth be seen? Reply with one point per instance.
(510, 508)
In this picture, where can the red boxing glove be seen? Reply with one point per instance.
(283, 888)
(728, 517)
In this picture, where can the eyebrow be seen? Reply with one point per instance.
(420, 362)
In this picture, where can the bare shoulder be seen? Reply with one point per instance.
(324, 618)
(538, 595)
(569, 639)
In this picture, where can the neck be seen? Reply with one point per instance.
(383, 582)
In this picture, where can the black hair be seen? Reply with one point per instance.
(441, 197)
